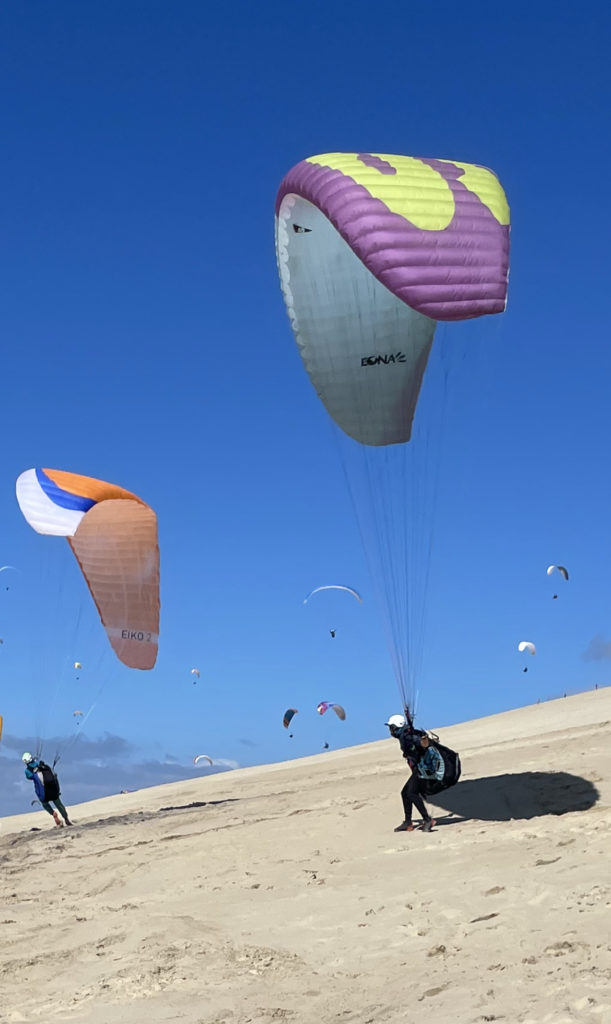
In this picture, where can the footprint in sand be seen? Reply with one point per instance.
(433, 991)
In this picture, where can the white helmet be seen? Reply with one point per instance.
(397, 720)
(27, 758)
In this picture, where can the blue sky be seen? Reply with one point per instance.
(145, 342)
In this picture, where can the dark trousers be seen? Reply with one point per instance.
(62, 810)
(412, 794)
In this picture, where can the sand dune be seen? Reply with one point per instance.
(282, 892)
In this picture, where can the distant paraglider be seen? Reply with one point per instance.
(3, 568)
(334, 586)
(202, 757)
(287, 717)
(195, 672)
(561, 569)
(526, 645)
(563, 572)
(325, 705)
(78, 715)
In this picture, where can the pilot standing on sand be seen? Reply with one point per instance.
(426, 765)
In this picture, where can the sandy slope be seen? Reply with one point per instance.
(286, 895)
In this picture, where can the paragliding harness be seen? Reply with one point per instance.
(451, 760)
(46, 783)
(451, 767)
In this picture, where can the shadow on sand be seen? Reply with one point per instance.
(523, 795)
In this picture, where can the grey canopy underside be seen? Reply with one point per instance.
(364, 349)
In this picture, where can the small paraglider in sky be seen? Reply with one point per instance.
(195, 672)
(78, 715)
(526, 645)
(286, 719)
(334, 586)
(326, 704)
(202, 757)
(563, 572)
(77, 665)
(3, 568)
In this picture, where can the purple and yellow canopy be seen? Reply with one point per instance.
(372, 250)
(434, 232)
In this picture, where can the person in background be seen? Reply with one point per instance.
(47, 788)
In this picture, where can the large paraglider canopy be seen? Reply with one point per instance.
(113, 535)
(394, 243)
(373, 250)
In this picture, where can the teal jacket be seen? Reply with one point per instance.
(30, 768)
(430, 764)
